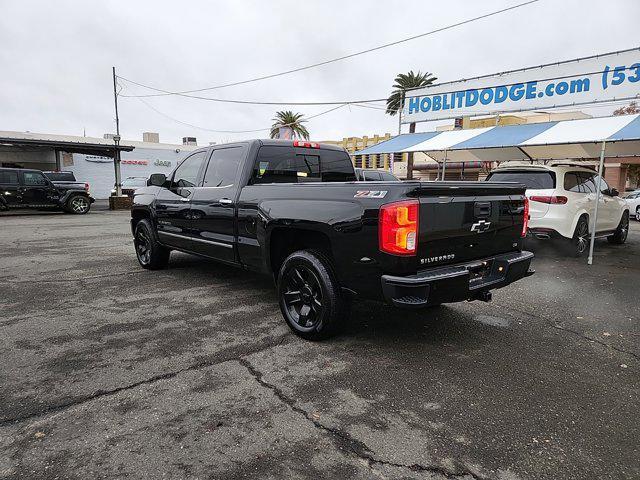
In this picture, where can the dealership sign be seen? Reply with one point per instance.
(602, 78)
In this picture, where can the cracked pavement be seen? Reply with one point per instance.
(110, 371)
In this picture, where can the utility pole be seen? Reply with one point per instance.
(116, 139)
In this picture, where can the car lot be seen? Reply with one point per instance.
(109, 370)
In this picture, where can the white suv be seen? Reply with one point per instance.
(633, 199)
(562, 201)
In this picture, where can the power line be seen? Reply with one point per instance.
(230, 131)
(326, 62)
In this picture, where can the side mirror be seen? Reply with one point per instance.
(157, 179)
(613, 192)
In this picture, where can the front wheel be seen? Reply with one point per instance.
(620, 235)
(78, 205)
(309, 296)
(151, 255)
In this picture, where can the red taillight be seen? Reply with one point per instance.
(551, 199)
(300, 143)
(525, 219)
(398, 227)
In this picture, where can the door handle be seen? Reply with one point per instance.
(185, 199)
(226, 201)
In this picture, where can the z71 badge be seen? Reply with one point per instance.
(370, 194)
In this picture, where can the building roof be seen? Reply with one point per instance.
(68, 143)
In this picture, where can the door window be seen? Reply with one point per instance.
(572, 182)
(34, 179)
(186, 175)
(223, 167)
(588, 182)
(9, 178)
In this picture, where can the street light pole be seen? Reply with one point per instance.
(116, 140)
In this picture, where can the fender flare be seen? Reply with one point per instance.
(65, 198)
(577, 217)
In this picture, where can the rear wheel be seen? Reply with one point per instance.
(78, 205)
(151, 255)
(580, 240)
(638, 213)
(309, 296)
(620, 235)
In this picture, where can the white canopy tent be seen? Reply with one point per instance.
(617, 136)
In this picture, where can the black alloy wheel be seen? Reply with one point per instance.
(303, 297)
(143, 247)
(621, 233)
(150, 253)
(310, 297)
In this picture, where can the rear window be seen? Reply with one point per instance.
(531, 180)
(61, 176)
(285, 164)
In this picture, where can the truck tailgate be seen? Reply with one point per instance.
(464, 221)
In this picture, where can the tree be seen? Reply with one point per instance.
(294, 121)
(405, 82)
(628, 110)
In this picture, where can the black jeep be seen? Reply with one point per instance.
(25, 188)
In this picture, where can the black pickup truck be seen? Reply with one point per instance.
(292, 209)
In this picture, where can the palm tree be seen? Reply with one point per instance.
(405, 82)
(292, 120)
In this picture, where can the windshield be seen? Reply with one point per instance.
(534, 180)
(134, 182)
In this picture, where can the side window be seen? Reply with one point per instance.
(276, 164)
(572, 183)
(34, 179)
(223, 167)
(588, 182)
(371, 176)
(604, 186)
(9, 178)
(186, 175)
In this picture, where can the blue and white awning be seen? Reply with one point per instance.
(569, 139)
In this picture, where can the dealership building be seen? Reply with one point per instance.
(91, 159)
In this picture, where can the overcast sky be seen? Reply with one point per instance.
(56, 57)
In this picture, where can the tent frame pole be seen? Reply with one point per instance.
(598, 195)
(444, 164)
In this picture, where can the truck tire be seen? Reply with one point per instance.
(620, 235)
(78, 204)
(151, 255)
(579, 244)
(310, 298)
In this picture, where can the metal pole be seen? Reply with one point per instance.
(116, 140)
(598, 195)
(444, 165)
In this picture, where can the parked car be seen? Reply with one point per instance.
(131, 184)
(25, 188)
(562, 201)
(65, 180)
(633, 200)
(293, 210)
(370, 175)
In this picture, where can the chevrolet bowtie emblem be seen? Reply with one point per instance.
(481, 226)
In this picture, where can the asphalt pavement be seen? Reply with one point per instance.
(111, 371)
